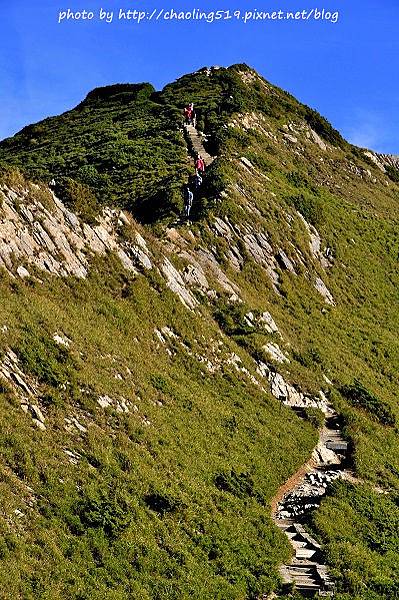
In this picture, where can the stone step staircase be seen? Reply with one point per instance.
(333, 440)
(310, 577)
(306, 572)
(196, 143)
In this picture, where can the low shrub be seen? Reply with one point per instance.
(360, 397)
(162, 503)
(309, 206)
(314, 416)
(45, 359)
(392, 173)
(109, 512)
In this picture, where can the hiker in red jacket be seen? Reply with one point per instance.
(189, 114)
(199, 164)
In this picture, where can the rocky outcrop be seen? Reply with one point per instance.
(202, 266)
(175, 282)
(391, 160)
(53, 239)
(25, 388)
(275, 352)
(315, 244)
(50, 238)
(316, 138)
(324, 291)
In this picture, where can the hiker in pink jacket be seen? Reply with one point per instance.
(199, 164)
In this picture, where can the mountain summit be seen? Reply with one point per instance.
(181, 387)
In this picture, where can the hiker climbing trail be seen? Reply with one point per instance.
(197, 145)
(303, 494)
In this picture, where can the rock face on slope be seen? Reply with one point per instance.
(52, 238)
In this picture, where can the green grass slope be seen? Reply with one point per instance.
(168, 501)
(179, 507)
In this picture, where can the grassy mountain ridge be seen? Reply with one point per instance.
(124, 141)
(171, 500)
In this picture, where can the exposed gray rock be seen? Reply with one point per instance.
(123, 219)
(288, 394)
(269, 323)
(261, 251)
(73, 457)
(195, 277)
(285, 262)
(209, 263)
(249, 319)
(61, 340)
(54, 241)
(317, 139)
(22, 272)
(10, 370)
(391, 160)
(324, 291)
(263, 370)
(37, 413)
(376, 160)
(235, 258)
(139, 256)
(275, 352)
(105, 401)
(246, 162)
(72, 424)
(290, 138)
(160, 336)
(315, 243)
(175, 282)
(222, 228)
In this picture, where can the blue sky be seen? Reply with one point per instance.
(347, 70)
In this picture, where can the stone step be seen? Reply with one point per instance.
(297, 574)
(284, 523)
(294, 569)
(306, 582)
(198, 145)
(309, 592)
(305, 552)
(298, 543)
(310, 541)
(335, 446)
(307, 564)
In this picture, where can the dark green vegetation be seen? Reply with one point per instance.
(357, 395)
(179, 509)
(120, 142)
(124, 142)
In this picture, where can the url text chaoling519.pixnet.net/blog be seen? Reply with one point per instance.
(212, 16)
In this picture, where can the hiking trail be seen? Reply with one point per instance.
(303, 492)
(298, 497)
(196, 143)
